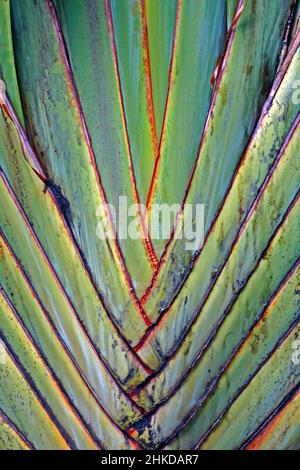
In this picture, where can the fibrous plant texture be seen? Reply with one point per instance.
(149, 342)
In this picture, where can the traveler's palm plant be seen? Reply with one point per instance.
(128, 343)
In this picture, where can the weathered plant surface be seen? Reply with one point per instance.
(139, 343)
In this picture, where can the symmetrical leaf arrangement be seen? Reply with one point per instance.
(131, 344)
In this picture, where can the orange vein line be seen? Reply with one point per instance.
(153, 184)
(264, 432)
(232, 27)
(5, 419)
(61, 435)
(145, 236)
(149, 89)
(54, 382)
(51, 324)
(33, 161)
(218, 78)
(27, 151)
(264, 113)
(71, 81)
(59, 285)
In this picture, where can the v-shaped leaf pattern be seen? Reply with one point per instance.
(123, 343)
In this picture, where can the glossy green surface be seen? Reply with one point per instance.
(260, 155)
(282, 431)
(240, 95)
(104, 344)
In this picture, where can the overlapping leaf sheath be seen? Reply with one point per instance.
(277, 126)
(252, 406)
(10, 437)
(73, 159)
(225, 290)
(160, 18)
(243, 84)
(281, 430)
(199, 37)
(221, 346)
(124, 343)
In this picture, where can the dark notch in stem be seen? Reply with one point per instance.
(219, 77)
